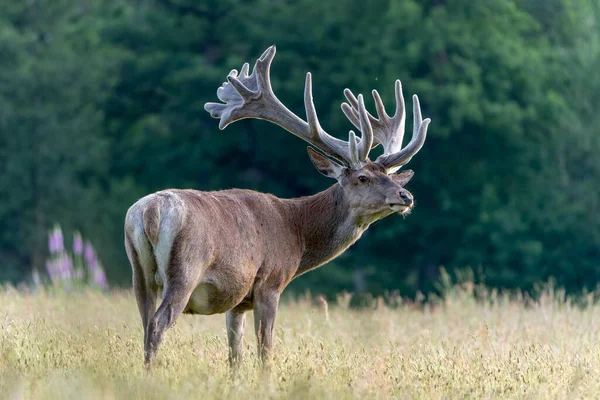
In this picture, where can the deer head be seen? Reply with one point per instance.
(373, 189)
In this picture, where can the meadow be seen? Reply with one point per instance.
(471, 343)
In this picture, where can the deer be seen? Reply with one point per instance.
(232, 251)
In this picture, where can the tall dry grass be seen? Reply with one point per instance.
(89, 345)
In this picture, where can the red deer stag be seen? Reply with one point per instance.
(231, 251)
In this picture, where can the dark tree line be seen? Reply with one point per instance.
(101, 102)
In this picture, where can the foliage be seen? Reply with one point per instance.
(473, 343)
(102, 102)
(53, 149)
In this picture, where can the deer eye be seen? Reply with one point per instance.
(363, 179)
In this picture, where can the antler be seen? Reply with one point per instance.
(389, 131)
(251, 96)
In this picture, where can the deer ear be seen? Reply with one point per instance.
(324, 165)
(403, 177)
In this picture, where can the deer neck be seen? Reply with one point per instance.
(326, 226)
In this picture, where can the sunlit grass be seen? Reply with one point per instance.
(89, 345)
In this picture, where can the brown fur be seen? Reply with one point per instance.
(235, 250)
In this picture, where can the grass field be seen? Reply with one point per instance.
(89, 345)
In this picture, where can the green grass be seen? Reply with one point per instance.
(89, 345)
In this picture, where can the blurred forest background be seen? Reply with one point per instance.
(101, 102)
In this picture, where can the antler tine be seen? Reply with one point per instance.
(353, 148)
(366, 129)
(318, 137)
(389, 131)
(251, 96)
(398, 159)
(263, 70)
(392, 137)
(361, 119)
(386, 130)
(351, 111)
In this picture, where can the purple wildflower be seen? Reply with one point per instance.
(88, 253)
(77, 243)
(97, 275)
(51, 243)
(65, 268)
(65, 265)
(55, 241)
(59, 239)
(52, 271)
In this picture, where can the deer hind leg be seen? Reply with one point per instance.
(173, 303)
(143, 266)
(182, 275)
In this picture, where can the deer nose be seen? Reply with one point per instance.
(407, 198)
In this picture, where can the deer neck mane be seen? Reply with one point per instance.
(326, 226)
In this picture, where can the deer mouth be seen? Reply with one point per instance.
(400, 208)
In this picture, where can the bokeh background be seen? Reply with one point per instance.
(101, 102)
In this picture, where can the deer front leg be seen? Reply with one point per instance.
(235, 320)
(265, 309)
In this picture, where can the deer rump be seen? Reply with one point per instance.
(239, 236)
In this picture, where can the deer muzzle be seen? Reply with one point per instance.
(402, 204)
